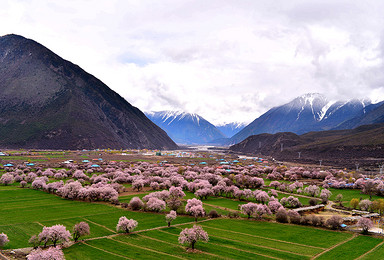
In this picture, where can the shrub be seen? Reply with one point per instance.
(23, 184)
(294, 217)
(334, 222)
(282, 216)
(34, 241)
(305, 220)
(354, 203)
(136, 203)
(313, 202)
(174, 204)
(339, 198)
(316, 221)
(213, 214)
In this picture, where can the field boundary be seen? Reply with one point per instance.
(97, 224)
(145, 248)
(276, 249)
(334, 246)
(370, 251)
(111, 253)
(177, 245)
(272, 239)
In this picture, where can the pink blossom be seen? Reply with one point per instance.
(80, 229)
(262, 197)
(7, 179)
(273, 193)
(365, 204)
(3, 240)
(138, 184)
(325, 195)
(52, 253)
(126, 225)
(56, 233)
(136, 203)
(204, 193)
(274, 206)
(274, 184)
(365, 224)
(176, 192)
(155, 204)
(70, 190)
(312, 190)
(248, 209)
(190, 236)
(170, 217)
(38, 184)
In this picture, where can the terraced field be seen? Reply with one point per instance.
(231, 239)
(23, 213)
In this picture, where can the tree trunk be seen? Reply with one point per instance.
(193, 245)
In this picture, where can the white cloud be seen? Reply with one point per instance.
(224, 59)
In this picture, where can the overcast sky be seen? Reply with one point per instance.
(225, 60)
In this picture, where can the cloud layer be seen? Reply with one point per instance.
(225, 60)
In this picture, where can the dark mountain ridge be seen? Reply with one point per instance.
(47, 102)
(365, 141)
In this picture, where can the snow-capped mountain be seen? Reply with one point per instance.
(230, 129)
(310, 112)
(185, 128)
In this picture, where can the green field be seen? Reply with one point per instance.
(230, 239)
(25, 211)
(349, 194)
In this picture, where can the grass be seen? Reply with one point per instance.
(24, 211)
(375, 254)
(352, 249)
(86, 252)
(296, 234)
(228, 239)
(349, 194)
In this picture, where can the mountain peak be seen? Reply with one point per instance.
(185, 128)
(47, 102)
(309, 112)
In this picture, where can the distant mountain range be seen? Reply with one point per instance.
(312, 112)
(47, 102)
(185, 128)
(231, 129)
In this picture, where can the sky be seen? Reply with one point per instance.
(226, 60)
